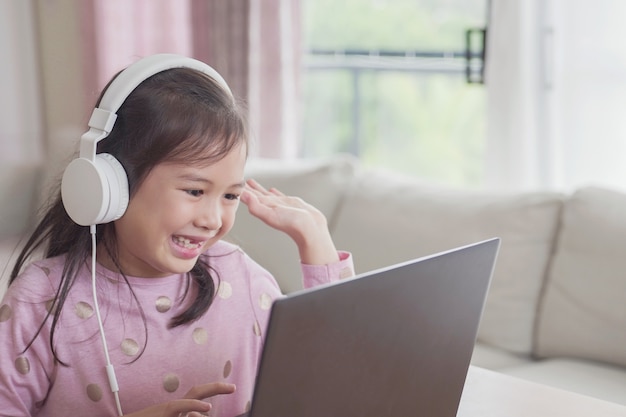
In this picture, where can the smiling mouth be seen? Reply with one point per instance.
(187, 243)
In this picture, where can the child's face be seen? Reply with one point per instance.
(177, 213)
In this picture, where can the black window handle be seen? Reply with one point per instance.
(475, 55)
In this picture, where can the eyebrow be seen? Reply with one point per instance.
(194, 178)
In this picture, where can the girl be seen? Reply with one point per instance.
(183, 312)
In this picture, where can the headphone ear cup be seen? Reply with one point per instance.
(118, 186)
(95, 192)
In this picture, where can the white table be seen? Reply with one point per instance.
(491, 394)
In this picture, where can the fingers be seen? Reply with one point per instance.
(175, 408)
(260, 190)
(200, 392)
(255, 194)
(192, 405)
(272, 198)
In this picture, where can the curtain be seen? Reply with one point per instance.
(118, 32)
(275, 50)
(253, 44)
(515, 93)
(588, 94)
(220, 38)
(21, 126)
(556, 82)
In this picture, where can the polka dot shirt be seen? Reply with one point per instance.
(153, 362)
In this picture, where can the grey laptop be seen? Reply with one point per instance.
(392, 342)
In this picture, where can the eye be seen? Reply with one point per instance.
(231, 197)
(194, 193)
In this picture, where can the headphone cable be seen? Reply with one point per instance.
(109, 367)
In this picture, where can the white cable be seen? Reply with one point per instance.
(109, 367)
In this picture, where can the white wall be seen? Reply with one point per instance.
(61, 48)
(42, 109)
(21, 127)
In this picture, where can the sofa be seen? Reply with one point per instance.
(556, 309)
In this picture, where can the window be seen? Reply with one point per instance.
(386, 80)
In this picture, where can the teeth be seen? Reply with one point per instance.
(186, 243)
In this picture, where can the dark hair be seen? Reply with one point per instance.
(178, 115)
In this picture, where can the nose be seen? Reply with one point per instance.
(209, 215)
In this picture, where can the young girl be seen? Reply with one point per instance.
(183, 312)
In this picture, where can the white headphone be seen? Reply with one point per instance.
(94, 188)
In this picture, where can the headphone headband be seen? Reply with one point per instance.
(135, 74)
(104, 116)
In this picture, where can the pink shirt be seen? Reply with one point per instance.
(223, 345)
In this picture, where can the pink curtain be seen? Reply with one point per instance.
(220, 38)
(255, 45)
(118, 32)
(274, 76)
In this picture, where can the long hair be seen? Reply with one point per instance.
(178, 115)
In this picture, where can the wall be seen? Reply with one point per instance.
(43, 108)
(21, 127)
(60, 37)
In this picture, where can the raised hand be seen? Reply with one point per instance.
(305, 224)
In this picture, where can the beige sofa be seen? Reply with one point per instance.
(556, 310)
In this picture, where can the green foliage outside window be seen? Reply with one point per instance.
(426, 124)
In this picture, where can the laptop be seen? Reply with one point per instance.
(396, 341)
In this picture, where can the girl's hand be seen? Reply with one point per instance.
(191, 405)
(305, 224)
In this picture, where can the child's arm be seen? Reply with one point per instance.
(305, 224)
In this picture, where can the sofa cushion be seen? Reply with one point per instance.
(389, 218)
(321, 183)
(489, 357)
(583, 310)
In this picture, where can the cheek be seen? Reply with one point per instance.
(153, 214)
(228, 218)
